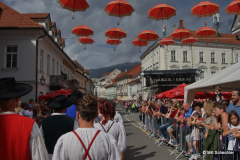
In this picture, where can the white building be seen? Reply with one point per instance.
(31, 47)
(210, 55)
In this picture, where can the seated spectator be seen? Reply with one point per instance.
(232, 129)
(236, 102)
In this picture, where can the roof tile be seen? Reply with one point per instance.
(36, 15)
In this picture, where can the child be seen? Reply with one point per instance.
(219, 96)
(195, 136)
(233, 127)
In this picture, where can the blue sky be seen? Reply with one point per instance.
(100, 54)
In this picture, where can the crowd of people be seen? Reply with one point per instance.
(212, 125)
(73, 127)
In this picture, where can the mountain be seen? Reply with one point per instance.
(97, 73)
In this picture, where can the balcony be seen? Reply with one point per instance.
(58, 82)
(73, 85)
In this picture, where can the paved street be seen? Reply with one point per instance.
(140, 146)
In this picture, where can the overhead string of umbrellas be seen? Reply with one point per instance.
(120, 8)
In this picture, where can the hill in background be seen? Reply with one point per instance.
(97, 73)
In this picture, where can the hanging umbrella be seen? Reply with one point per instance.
(147, 36)
(113, 42)
(82, 31)
(167, 41)
(161, 12)
(205, 31)
(119, 8)
(233, 8)
(86, 40)
(181, 33)
(115, 33)
(137, 42)
(74, 5)
(205, 9)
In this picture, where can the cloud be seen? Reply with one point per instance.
(100, 54)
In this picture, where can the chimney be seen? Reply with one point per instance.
(125, 70)
(181, 24)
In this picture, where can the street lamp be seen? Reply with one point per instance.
(42, 80)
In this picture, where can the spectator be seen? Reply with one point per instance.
(198, 108)
(23, 108)
(213, 99)
(220, 117)
(29, 111)
(233, 127)
(163, 128)
(236, 102)
(219, 96)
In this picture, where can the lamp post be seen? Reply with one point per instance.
(42, 80)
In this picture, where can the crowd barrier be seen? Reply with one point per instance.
(181, 138)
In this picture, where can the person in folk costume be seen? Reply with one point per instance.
(107, 125)
(58, 123)
(86, 142)
(99, 117)
(20, 137)
(74, 97)
(117, 116)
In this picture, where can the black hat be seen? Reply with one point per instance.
(59, 102)
(75, 96)
(9, 88)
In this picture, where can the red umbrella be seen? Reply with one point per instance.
(86, 40)
(167, 41)
(115, 33)
(147, 36)
(74, 5)
(113, 42)
(180, 33)
(189, 40)
(119, 8)
(205, 31)
(137, 42)
(82, 31)
(233, 8)
(205, 9)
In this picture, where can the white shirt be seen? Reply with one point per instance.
(75, 126)
(118, 118)
(68, 147)
(117, 131)
(234, 145)
(28, 113)
(37, 146)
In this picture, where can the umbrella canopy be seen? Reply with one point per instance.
(167, 41)
(119, 8)
(113, 41)
(137, 42)
(161, 12)
(147, 36)
(233, 8)
(181, 33)
(82, 31)
(205, 31)
(205, 9)
(86, 40)
(189, 40)
(115, 33)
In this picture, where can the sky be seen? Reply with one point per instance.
(99, 54)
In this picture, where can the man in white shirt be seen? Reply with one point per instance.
(29, 111)
(20, 136)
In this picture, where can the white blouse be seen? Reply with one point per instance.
(68, 147)
(117, 131)
(118, 118)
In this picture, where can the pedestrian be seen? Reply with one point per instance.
(115, 129)
(58, 123)
(20, 136)
(86, 141)
(133, 107)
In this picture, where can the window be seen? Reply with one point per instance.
(173, 56)
(11, 57)
(200, 56)
(202, 75)
(212, 57)
(236, 58)
(223, 58)
(57, 69)
(53, 66)
(184, 55)
(48, 64)
(213, 72)
(41, 61)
